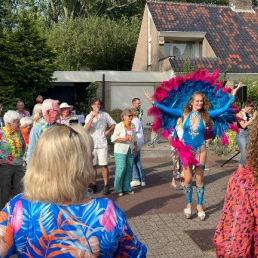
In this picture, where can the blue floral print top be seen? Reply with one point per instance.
(95, 229)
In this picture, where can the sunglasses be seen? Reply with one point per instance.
(55, 110)
(71, 130)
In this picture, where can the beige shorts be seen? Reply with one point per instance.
(100, 157)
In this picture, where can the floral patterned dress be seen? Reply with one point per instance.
(11, 147)
(237, 231)
(95, 229)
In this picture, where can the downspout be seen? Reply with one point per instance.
(103, 91)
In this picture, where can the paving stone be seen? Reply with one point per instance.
(155, 212)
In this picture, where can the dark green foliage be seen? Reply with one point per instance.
(27, 62)
(82, 105)
(252, 89)
(56, 11)
(116, 114)
(95, 43)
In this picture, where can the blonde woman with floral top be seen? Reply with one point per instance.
(12, 148)
(125, 149)
(54, 217)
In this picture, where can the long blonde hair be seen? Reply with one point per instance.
(36, 112)
(60, 166)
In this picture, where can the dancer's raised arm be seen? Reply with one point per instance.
(240, 85)
(148, 96)
(219, 111)
(171, 111)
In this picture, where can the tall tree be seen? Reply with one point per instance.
(55, 11)
(27, 62)
(95, 43)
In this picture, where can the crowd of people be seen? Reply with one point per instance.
(53, 216)
(48, 161)
(98, 124)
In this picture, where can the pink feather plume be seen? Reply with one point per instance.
(185, 153)
(224, 140)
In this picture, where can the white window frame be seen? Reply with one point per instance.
(149, 56)
(172, 36)
(195, 45)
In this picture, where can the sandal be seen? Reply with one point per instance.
(201, 215)
(120, 194)
(132, 192)
(188, 213)
(177, 187)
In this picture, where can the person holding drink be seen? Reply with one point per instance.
(125, 140)
(99, 124)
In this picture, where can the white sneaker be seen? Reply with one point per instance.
(143, 183)
(135, 183)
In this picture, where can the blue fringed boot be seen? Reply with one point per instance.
(188, 194)
(200, 194)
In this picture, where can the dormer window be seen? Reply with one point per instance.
(183, 49)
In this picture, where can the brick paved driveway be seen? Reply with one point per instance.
(155, 212)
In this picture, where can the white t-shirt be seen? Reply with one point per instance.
(98, 127)
(139, 132)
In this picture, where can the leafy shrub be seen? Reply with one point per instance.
(82, 105)
(224, 150)
(116, 114)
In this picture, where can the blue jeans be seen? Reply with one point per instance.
(242, 139)
(138, 174)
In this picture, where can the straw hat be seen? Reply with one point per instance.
(65, 105)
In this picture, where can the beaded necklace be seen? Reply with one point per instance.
(132, 129)
(44, 127)
(67, 118)
(14, 142)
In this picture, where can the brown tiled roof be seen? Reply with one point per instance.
(232, 35)
(207, 63)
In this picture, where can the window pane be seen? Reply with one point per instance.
(184, 49)
(200, 49)
(167, 47)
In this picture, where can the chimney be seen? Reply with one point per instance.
(241, 5)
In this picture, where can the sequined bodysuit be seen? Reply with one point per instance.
(193, 136)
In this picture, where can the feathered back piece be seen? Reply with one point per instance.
(176, 92)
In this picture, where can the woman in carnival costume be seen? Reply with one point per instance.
(195, 98)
